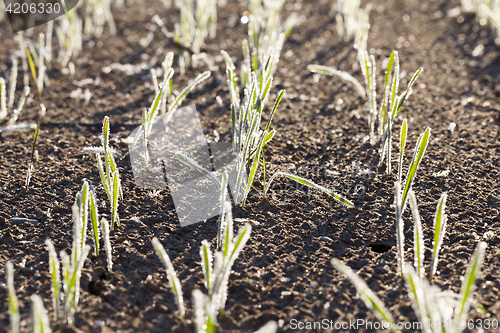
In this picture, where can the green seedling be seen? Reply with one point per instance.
(39, 318)
(429, 302)
(440, 220)
(41, 114)
(173, 280)
(371, 300)
(402, 144)
(400, 236)
(310, 184)
(14, 314)
(418, 239)
(341, 74)
(110, 177)
(107, 244)
(422, 142)
(352, 22)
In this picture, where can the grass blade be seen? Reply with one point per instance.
(221, 224)
(276, 104)
(206, 264)
(107, 244)
(408, 91)
(114, 205)
(39, 319)
(174, 282)
(468, 284)
(418, 236)
(439, 231)
(402, 143)
(94, 217)
(371, 300)
(3, 99)
(309, 183)
(343, 75)
(178, 100)
(14, 315)
(55, 277)
(400, 236)
(422, 143)
(184, 158)
(417, 295)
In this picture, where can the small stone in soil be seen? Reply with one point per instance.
(22, 220)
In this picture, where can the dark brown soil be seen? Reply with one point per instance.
(284, 272)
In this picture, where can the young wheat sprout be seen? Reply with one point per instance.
(173, 280)
(15, 316)
(439, 231)
(418, 239)
(110, 177)
(39, 318)
(400, 236)
(107, 244)
(371, 300)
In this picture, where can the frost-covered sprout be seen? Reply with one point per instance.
(107, 244)
(422, 142)
(418, 236)
(14, 315)
(343, 75)
(69, 34)
(71, 268)
(351, 20)
(432, 304)
(402, 144)
(198, 20)
(391, 106)
(97, 14)
(440, 219)
(429, 303)
(371, 300)
(160, 102)
(400, 236)
(41, 114)
(110, 177)
(310, 184)
(486, 12)
(173, 280)
(39, 318)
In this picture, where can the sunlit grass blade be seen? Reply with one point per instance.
(206, 264)
(55, 278)
(383, 116)
(14, 314)
(276, 104)
(418, 236)
(343, 75)
(253, 169)
(402, 143)
(102, 174)
(184, 158)
(3, 99)
(221, 283)
(416, 292)
(400, 236)
(115, 191)
(311, 184)
(221, 222)
(39, 319)
(468, 284)
(174, 282)
(439, 231)
(422, 143)
(107, 244)
(94, 218)
(407, 93)
(371, 300)
(182, 95)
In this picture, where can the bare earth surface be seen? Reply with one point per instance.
(284, 272)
